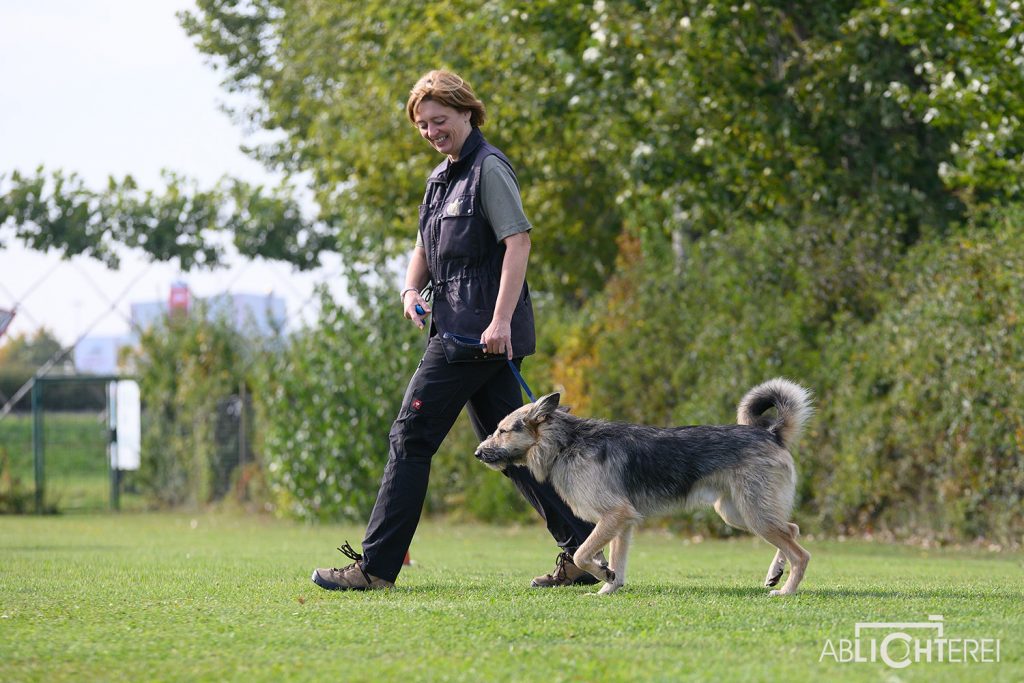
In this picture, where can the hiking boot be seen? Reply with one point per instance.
(350, 578)
(566, 573)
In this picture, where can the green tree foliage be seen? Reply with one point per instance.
(672, 119)
(22, 355)
(29, 350)
(332, 79)
(184, 223)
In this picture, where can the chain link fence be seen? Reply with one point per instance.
(68, 469)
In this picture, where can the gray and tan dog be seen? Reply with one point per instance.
(616, 474)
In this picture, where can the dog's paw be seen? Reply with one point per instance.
(776, 594)
(773, 579)
(609, 588)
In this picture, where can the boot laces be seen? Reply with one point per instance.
(348, 551)
(560, 561)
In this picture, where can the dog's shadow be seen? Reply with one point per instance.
(695, 591)
(690, 591)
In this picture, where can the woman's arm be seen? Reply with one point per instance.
(498, 335)
(416, 277)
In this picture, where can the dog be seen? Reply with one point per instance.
(616, 474)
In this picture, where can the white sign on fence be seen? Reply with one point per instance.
(126, 419)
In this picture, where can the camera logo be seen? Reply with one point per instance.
(900, 644)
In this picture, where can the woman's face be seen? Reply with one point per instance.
(443, 127)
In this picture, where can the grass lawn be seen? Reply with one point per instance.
(226, 597)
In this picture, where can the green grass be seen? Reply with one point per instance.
(225, 597)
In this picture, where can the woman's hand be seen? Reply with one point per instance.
(498, 337)
(416, 277)
(410, 300)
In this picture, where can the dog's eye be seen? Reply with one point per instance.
(502, 431)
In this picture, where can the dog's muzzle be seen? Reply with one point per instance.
(497, 458)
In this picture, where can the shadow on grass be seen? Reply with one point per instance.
(483, 589)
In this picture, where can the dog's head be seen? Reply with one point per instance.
(517, 434)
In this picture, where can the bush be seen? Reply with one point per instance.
(186, 366)
(926, 420)
(325, 405)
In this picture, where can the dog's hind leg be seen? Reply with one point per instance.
(778, 565)
(726, 509)
(619, 555)
(784, 539)
(775, 570)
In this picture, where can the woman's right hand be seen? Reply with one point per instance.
(410, 300)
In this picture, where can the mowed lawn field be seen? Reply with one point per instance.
(140, 597)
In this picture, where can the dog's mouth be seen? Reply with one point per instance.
(495, 458)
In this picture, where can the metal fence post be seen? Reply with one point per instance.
(37, 441)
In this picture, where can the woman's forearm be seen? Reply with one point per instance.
(417, 274)
(513, 275)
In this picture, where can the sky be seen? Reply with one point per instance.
(115, 87)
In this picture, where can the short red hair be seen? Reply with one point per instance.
(448, 89)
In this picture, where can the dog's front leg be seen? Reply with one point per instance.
(608, 527)
(619, 553)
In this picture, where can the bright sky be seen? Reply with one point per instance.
(115, 87)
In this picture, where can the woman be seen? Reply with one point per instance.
(473, 248)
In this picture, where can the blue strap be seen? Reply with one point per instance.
(522, 382)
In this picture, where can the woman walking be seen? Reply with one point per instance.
(473, 249)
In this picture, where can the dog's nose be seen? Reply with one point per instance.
(479, 454)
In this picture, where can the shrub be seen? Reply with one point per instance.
(186, 366)
(926, 419)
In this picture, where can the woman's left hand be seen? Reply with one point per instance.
(498, 337)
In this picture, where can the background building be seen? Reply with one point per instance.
(251, 314)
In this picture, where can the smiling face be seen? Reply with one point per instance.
(444, 127)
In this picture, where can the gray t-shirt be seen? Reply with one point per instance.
(500, 200)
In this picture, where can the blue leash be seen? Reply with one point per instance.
(522, 382)
(515, 370)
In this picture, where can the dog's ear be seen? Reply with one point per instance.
(565, 409)
(543, 408)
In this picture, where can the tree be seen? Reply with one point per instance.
(331, 80)
(30, 351)
(56, 211)
(22, 355)
(185, 366)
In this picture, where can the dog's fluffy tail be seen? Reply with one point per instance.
(792, 404)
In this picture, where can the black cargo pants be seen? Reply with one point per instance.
(435, 397)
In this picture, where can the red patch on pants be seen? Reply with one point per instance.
(416, 404)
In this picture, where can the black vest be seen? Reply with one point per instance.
(463, 256)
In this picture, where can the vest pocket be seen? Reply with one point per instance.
(458, 238)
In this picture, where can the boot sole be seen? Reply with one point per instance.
(327, 585)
